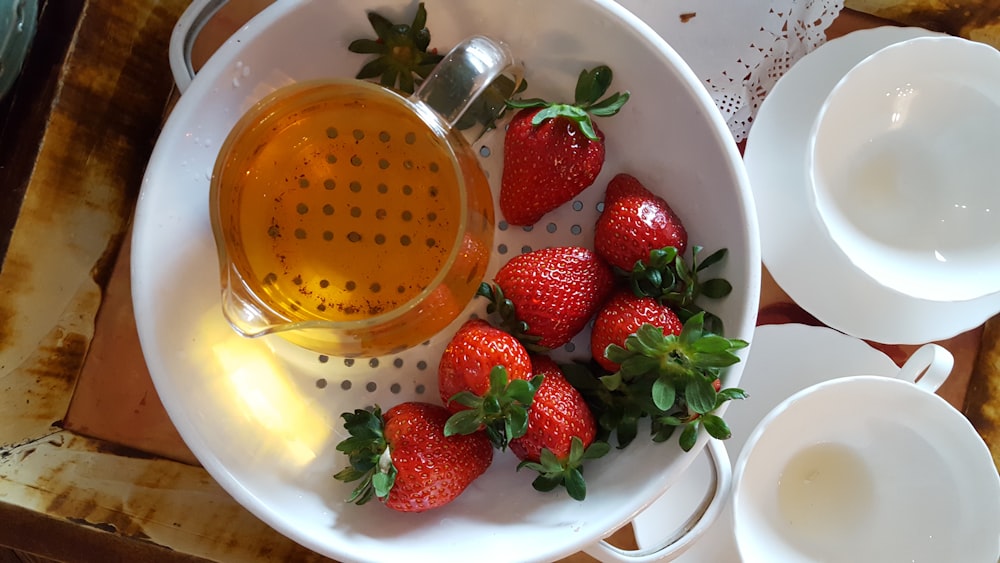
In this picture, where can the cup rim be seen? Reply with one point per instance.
(944, 289)
(978, 459)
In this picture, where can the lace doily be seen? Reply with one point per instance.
(739, 49)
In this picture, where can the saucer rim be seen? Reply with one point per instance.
(822, 288)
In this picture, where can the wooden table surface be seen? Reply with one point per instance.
(91, 468)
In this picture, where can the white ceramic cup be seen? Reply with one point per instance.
(868, 469)
(902, 159)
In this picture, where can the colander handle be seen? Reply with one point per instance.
(182, 39)
(678, 541)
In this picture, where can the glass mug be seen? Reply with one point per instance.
(353, 221)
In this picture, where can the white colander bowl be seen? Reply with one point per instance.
(263, 417)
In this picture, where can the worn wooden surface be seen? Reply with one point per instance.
(104, 476)
(83, 126)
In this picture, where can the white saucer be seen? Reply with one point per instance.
(804, 261)
(784, 359)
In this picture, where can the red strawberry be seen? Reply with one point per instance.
(485, 378)
(557, 415)
(635, 222)
(560, 434)
(670, 373)
(471, 355)
(547, 296)
(552, 152)
(622, 316)
(405, 460)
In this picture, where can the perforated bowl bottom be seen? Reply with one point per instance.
(412, 374)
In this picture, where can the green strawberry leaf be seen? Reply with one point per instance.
(587, 128)
(420, 18)
(523, 391)
(368, 455)
(661, 432)
(544, 484)
(400, 51)
(652, 340)
(616, 353)
(719, 359)
(612, 381)
(516, 422)
(502, 411)
(666, 276)
(592, 84)
(716, 427)
(710, 260)
(365, 46)
(716, 288)
(610, 105)
(383, 482)
(711, 344)
(596, 449)
(693, 330)
(372, 69)
(381, 25)
(664, 393)
(575, 484)
(732, 393)
(567, 472)
(526, 103)
(700, 395)
(689, 436)
(627, 429)
(637, 365)
(463, 422)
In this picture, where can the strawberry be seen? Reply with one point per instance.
(557, 414)
(485, 379)
(560, 433)
(672, 376)
(547, 296)
(635, 222)
(404, 459)
(552, 151)
(644, 240)
(621, 317)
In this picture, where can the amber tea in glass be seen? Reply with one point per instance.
(350, 220)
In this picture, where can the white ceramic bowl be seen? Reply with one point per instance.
(903, 161)
(264, 419)
(867, 468)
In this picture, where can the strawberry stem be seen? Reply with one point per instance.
(502, 411)
(507, 312)
(669, 278)
(672, 379)
(590, 86)
(368, 455)
(402, 59)
(554, 472)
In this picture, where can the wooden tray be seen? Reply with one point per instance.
(89, 461)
